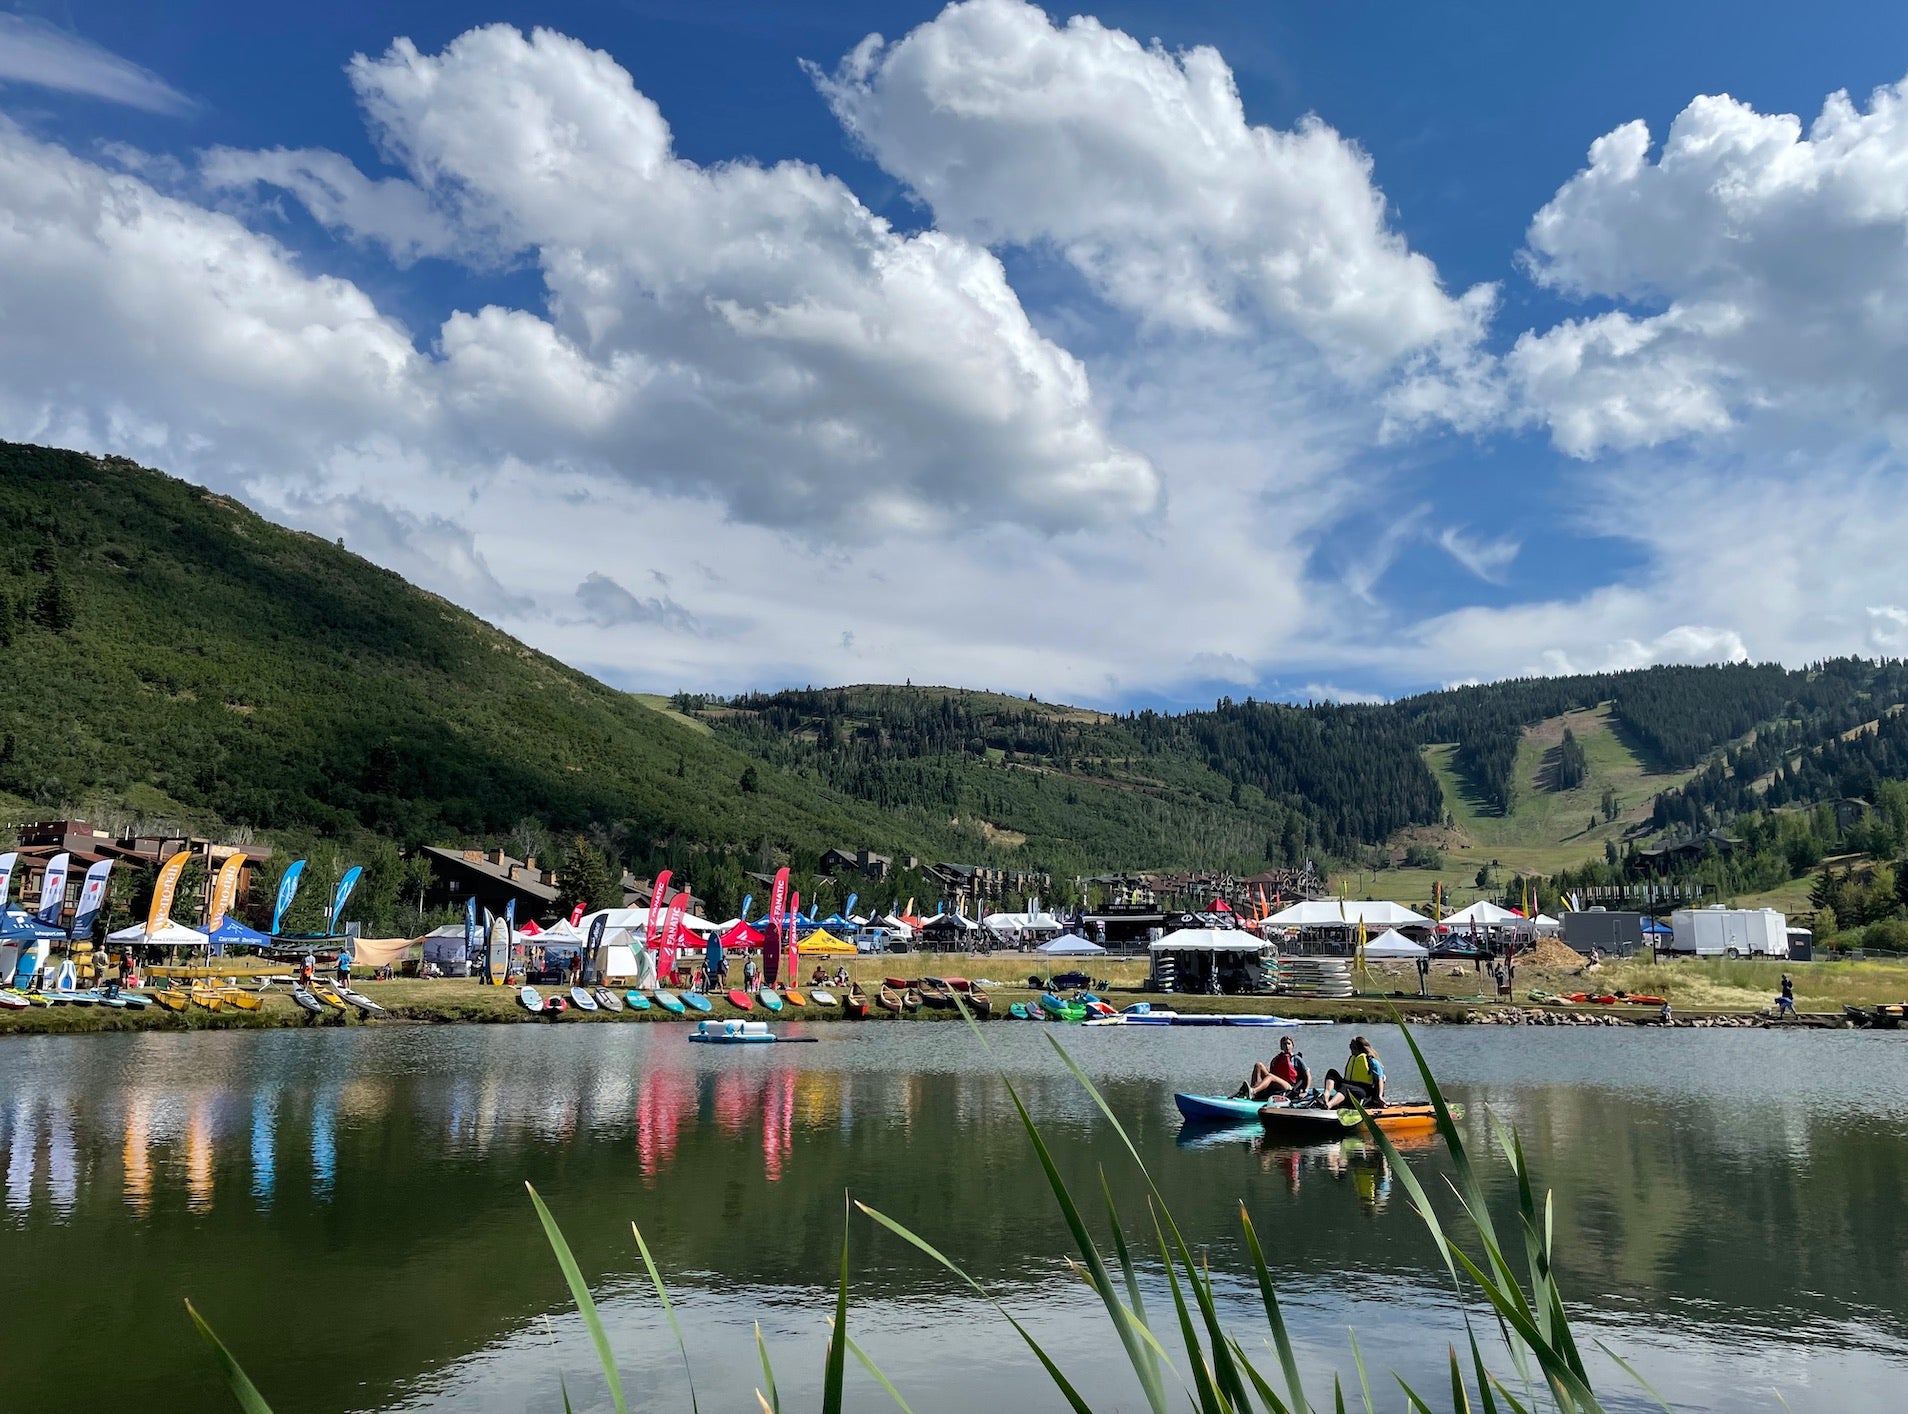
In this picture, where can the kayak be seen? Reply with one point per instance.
(740, 999)
(1217, 1109)
(696, 1001)
(636, 1000)
(299, 996)
(669, 1002)
(582, 1000)
(771, 999)
(1018, 1011)
(357, 999)
(1317, 1125)
(607, 999)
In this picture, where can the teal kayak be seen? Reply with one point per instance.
(1217, 1109)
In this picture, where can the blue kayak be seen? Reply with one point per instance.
(1217, 1109)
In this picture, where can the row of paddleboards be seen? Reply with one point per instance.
(11, 1000)
(676, 1003)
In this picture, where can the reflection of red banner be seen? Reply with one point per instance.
(778, 1123)
(732, 1104)
(671, 936)
(658, 895)
(659, 1111)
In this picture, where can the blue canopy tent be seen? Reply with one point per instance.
(232, 933)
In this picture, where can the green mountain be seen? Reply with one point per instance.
(173, 656)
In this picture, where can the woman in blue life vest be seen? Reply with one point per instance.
(1363, 1080)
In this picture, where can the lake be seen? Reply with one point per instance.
(347, 1208)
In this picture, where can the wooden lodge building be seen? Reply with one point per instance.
(88, 845)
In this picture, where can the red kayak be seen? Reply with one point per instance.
(740, 999)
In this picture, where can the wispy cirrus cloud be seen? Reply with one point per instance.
(34, 52)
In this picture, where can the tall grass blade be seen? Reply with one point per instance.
(243, 1390)
(773, 1403)
(1065, 1386)
(1135, 1302)
(1460, 1397)
(1224, 1371)
(832, 1371)
(1268, 1396)
(1207, 1392)
(1281, 1338)
(1411, 1396)
(875, 1371)
(580, 1292)
(1144, 1367)
(1645, 1385)
(1364, 1382)
(1484, 1395)
(669, 1310)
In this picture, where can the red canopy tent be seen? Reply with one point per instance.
(742, 935)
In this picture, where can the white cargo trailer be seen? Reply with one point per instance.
(1729, 932)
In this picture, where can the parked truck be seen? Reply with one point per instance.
(1729, 932)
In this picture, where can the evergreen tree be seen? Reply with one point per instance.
(53, 606)
(585, 878)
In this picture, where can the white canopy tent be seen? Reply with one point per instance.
(561, 933)
(1070, 945)
(1485, 914)
(1337, 913)
(1207, 940)
(1546, 926)
(1391, 944)
(173, 935)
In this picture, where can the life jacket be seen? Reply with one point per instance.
(1359, 1071)
(1286, 1068)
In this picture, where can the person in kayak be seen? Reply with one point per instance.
(1287, 1075)
(1363, 1080)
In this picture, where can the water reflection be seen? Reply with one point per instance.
(385, 1169)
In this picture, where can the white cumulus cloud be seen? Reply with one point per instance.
(1140, 167)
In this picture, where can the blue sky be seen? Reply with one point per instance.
(1010, 352)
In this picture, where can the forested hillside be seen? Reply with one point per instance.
(172, 656)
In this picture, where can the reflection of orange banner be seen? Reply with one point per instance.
(225, 889)
(133, 1156)
(167, 884)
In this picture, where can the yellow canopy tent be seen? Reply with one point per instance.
(825, 944)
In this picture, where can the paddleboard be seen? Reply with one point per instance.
(669, 1002)
(794, 998)
(739, 998)
(582, 1000)
(824, 998)
(13, 1001)
(499, 965)
(637, 1001)
(607, 999)
(771, 998)
(696, 1001)
(529, 998)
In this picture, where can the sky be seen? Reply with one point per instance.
(1130, 356)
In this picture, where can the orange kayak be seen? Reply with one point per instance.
(1311, 1126)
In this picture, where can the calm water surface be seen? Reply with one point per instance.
(347, 1208)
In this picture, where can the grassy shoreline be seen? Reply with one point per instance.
(457, 1002)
